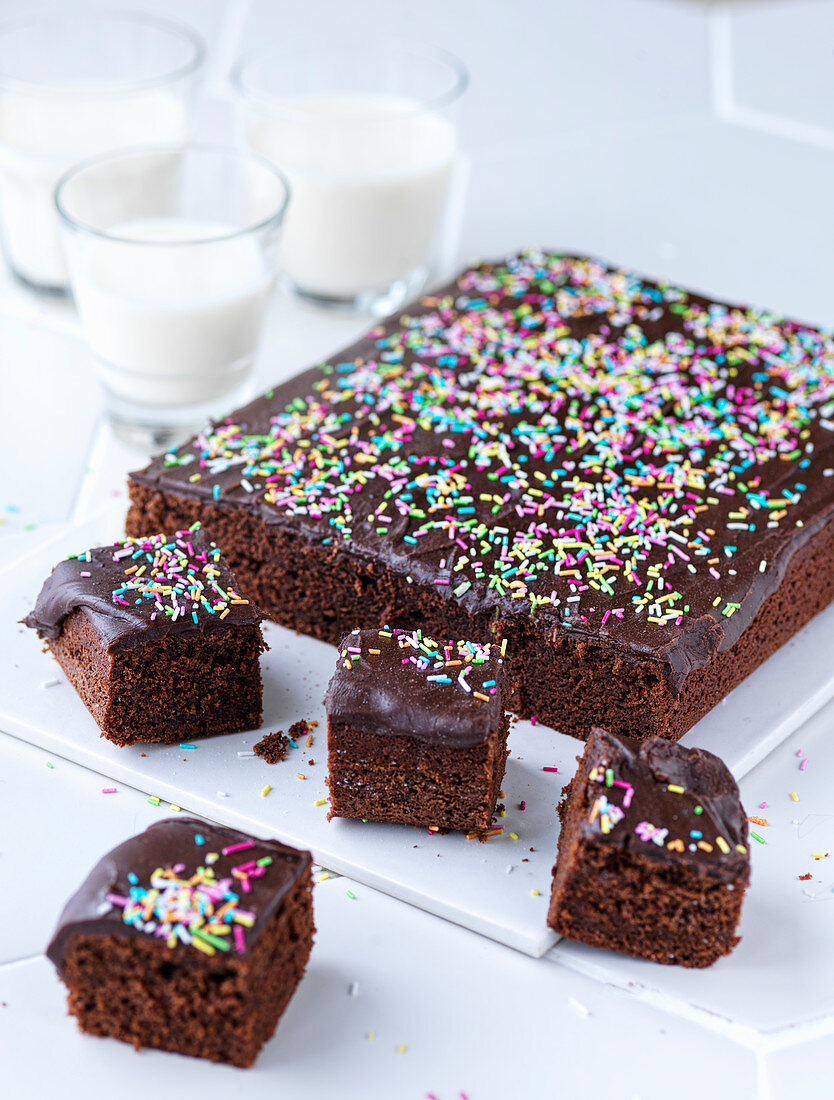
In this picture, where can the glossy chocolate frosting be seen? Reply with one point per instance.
(171, 843)
(670, 803)
(444, 693)
(92, 580)
(619, 458)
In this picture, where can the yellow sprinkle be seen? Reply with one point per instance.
(673, 788)
(722, 844)
(820, 855)
(323, 876)
(402, 1048)
(742, 849)
(794, 796)
(370, 1035)
(176, 809)
(201, 945)
(319, 801)
(266, 790)
(513, 836)
(225, 613)
(536, 893)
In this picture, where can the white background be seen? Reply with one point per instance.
(685, 139)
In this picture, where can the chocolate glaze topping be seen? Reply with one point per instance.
(96, 580)
(172, 843)
(395, 682)
(622, 459)
(665, 802)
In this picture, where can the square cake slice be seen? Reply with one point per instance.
(653, 858)
(155, 637)
(416, 730)
(190, 938)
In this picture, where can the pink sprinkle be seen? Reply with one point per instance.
(532, 719)
(109, 790)
(800, 752)
(804, 764)
(550, 769)
(762, 805)
(240, 940)
(244, 844)
(117, 899)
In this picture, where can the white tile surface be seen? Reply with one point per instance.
(474, 1017)
(591, 127)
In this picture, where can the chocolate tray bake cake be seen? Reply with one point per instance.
(628, 482)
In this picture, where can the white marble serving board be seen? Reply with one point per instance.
(488, 887)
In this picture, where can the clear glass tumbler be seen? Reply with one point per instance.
(172, 259)
(367, 137)
(73, 84)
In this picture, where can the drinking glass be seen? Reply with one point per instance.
(73, 84)
(172, 258)
(366, 134)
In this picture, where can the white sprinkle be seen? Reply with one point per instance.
(248, 752)
(510, 868)
(222, 794)
(50, 683)
(353, 989)
(578, 1007)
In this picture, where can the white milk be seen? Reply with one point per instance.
(369, 176)
(170, 324)
(41, 136)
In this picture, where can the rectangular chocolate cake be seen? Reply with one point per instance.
(416, 730)
(628, 482)
(156, 638)
(653, 858)
(189, 937)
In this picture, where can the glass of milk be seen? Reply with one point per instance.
(72, 84)
(366, 135)
(172, 255)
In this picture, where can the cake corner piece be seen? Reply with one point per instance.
(653, 859)
(416, 730)
(156, 637)
(213, 986)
